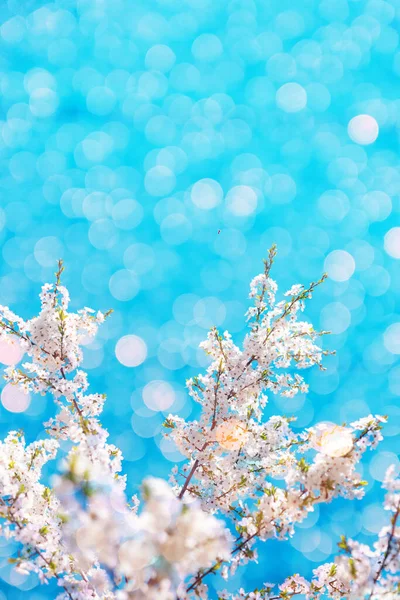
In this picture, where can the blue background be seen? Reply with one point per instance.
(112, 112)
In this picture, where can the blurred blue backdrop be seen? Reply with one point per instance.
(160, 147)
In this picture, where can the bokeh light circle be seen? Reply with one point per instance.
(392, 242)
(159, 181)
(363, 129)
(14, 399)
(206, 194)
(10, 351)
(339, 265)
(131, 350)
(291, 97)
(158, 395)
(43, 102)
(391, 338)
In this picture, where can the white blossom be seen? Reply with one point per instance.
(248, 475)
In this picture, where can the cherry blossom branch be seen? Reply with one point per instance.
(371, 428)
(188, 478)
(88, 510)
(305, 293)
(388, 549)
(12, 519)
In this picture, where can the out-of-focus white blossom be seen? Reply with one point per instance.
(231, 434)
(333, 440)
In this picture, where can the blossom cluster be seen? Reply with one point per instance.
(248, 477)
(358, 571)
(83, 531)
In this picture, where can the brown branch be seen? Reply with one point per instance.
(188, 478)
(387, 553)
